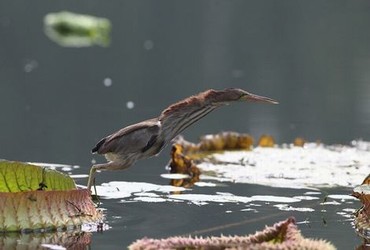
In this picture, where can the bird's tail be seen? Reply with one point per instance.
(98, 145)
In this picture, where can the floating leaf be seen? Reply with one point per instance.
(282, 235)
(217, 142)
(313, 165)
(366, 181)
(226, 141)
(266, 141)
(36, 198)
(18, 176)
(362, 216)
(75, 30)
(299, 142)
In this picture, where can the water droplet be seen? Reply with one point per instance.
(148, 44)
(107, 82)
(30, 65)
(130, 104)
(93, 161)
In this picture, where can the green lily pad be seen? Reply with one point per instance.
(35, 198)
(18, 176)
(76, 30)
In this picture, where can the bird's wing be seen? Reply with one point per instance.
(181, 115)
(130, 139)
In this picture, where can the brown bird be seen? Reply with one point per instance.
(147, 138)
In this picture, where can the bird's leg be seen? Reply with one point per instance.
(93, 169)
(105, 166)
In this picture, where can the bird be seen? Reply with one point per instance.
(147, 138)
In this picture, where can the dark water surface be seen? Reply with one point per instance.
(130, 220)
(312, 56)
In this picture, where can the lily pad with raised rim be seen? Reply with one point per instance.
(34, 198)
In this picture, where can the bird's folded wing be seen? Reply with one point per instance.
(130, 139)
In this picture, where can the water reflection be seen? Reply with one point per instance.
(55, 240)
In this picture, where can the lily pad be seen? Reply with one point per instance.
(309, 165)
(18, 176)
(76, 30)
(362, 215)
(282, 235)
(33, 198)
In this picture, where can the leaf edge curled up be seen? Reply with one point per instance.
(18, 177)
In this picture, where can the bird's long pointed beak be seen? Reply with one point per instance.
(257, 98)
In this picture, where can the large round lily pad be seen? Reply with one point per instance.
(18, 176)
(36, 198)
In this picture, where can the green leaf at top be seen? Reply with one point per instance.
(18, 176)
(77, 30)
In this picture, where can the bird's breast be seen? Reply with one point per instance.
(112, 157)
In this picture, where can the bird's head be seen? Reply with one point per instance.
(246, 96)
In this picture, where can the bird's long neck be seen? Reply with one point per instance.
(177, 117)
(189, 119)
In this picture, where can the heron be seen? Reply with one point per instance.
(148, 138)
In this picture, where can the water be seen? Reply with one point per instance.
(132, 219)
(312, 56)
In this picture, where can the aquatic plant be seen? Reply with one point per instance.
(362, 215)
(33, 198)
(282, 235)
(266, 141)
(216, 142)
(300, 164)
(184, 153)
(76, 30)
(182, 164)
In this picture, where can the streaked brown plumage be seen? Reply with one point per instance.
(147, 138)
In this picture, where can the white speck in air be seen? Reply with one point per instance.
(130, 104)
(107, 82)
